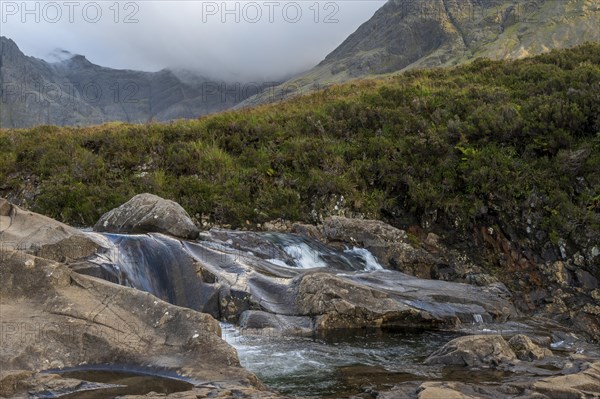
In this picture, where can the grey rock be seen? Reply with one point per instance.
(586, 280)
(526, 350)
(34, 233)
(241, 279)
(82, 320)
(147, 213)
(281, 324)
(474, 351)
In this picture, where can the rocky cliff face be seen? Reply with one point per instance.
(407, 34)
(78, 92)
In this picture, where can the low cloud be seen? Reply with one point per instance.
(233, 40)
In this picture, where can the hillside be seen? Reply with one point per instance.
(510, 145)
(78, 92)
(407, 34)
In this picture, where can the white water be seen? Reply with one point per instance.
(308, 255)
(371, 263)
(478, 319)
(304, 256)
(332, 365)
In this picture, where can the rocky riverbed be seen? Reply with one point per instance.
(143, 294)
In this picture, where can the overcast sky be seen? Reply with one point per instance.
(243, 40)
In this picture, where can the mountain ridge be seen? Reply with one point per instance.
(76, 91)
(409, 34)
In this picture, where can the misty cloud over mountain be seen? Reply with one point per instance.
(238, 42)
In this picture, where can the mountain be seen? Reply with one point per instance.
(78, 92)
(406, 34)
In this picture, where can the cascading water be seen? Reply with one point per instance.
(230, 273)
(156, 264)
(169, 268)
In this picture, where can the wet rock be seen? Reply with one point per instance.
(55, 318)
(307, 230)
(245, 242)
(585, 384)
(474, 351)
(146, 213)
(394, 301)
(232, 269)
(258, 320)
(526, 350)
(388, 244)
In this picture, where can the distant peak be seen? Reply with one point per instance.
(5, 42)
(9, 47)
(80, 61)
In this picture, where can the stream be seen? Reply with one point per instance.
(263, 266)
(335, 364)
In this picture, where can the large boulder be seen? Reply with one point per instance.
(53, 318)
(474, 351)
(148, 213)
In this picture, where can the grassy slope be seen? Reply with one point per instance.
(501, 141)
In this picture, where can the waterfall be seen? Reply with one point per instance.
(201, 275)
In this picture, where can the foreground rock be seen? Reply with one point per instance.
(394, 300)
(147, 213)
(583, 383)
(54, 318)
(227, 274)
(474, 351)
(530, 372)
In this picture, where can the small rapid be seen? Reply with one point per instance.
(335, 364)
